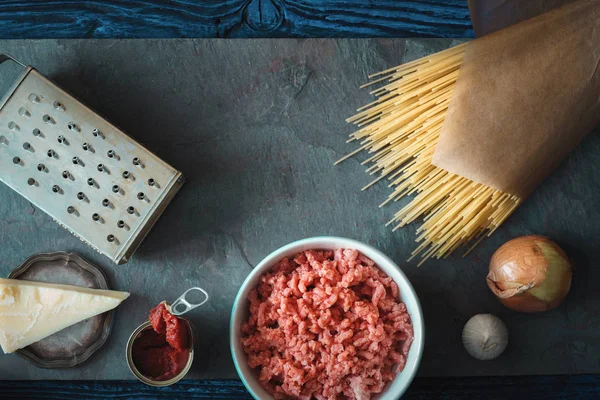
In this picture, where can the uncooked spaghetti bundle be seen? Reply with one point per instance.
(471, 131)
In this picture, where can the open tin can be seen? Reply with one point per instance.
(179, 307)
(149, 381)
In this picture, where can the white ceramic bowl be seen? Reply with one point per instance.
(240, 311)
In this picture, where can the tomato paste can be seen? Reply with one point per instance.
(149, 381)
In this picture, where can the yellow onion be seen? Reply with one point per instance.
(530, 274)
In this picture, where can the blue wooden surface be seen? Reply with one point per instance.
(233, 18)
(530, 388)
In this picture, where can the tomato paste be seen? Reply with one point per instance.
(161, 353)
(174, 329)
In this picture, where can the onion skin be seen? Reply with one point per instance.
(530, 274)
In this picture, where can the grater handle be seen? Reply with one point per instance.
(6, 96)
(5, 57)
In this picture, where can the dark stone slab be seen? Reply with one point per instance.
(256, 126)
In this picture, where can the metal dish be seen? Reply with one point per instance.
(76, 344)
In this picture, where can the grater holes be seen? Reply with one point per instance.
(121, 224)
(142, 196)
(3, 140)
(12, 125)
(103, 168)
(52, 154)
(23, 112)
(87, 147)
(27, 147)
(67, 175)
(48, 119)
(97, 218)
(34, 98)
(107, 203)
(37, 133)
(97, 133)
(73, 126)
(72, 210)
(137, 162)
(112, 239)
(17, 161)
(131, 210)
(58, 106)
(63, 140)
(112, 154)
(42, 168)
(127, 175)
(117, 189)
(92, 182)
(78, 161)
(56, 189)
(31, 182)
(81, 196)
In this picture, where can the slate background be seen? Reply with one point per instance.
(256, 126)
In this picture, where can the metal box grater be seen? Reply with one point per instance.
(85, 173)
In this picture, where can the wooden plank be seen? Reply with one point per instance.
(233, 18)
(523, 387)
(66, 390)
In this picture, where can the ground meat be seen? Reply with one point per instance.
(326, 325)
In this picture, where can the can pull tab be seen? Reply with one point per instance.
(183, 304)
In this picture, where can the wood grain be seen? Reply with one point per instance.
(524, 387)
(233, 18)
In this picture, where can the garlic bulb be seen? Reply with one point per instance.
(485, 336)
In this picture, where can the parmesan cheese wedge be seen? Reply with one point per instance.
(31, 311)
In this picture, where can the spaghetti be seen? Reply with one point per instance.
(401, 129)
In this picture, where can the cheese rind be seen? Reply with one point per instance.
(31, 311)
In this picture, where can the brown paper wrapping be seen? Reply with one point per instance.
(525, 98)
(492, 15)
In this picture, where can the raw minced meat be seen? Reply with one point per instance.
(326, 325)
